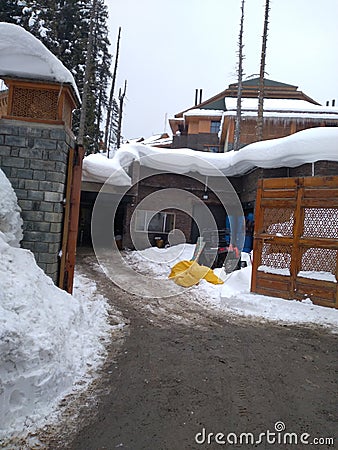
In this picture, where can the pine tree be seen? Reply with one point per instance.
(87, 75)
(63, 26)
(11, 11)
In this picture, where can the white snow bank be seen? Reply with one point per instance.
(159, 261)
(48, 338)
(22, 55)
(235, 297)
(307, 146)
(10, 219)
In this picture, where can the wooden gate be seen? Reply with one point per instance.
(296, 239)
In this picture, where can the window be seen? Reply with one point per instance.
(156, 222)
(215, 126)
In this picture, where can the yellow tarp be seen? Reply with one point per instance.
(189, 273)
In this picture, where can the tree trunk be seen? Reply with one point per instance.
(259, 127)
(89, 58)
(119, 129)
(240, 82)
(111, 96)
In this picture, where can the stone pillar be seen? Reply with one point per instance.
(34, 158)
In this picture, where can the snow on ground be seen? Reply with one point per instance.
(49, 340)
(307, 146)
(234, 295)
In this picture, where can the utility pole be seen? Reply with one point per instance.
(240, 83)
(259, 127)
(88, 66)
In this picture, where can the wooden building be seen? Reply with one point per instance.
(210, 125)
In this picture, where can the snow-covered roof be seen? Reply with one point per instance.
(203, 112)
(280, 116)
(23, 56)
(273, 107)
(279, 105)
(158, 139)
(307, 146)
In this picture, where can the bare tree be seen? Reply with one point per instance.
(259, 127)
(121, 100)
(111, 95)
(240, 83)
(89, 61)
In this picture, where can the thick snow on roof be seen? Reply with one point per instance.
(280, 116)
(204, 112)
(276, 104)
(23, 56)
(307, 146)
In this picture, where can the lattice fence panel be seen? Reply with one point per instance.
(35, 103)
(276, 256)
(319, 260)
(296, 239)
(321, 222)
(278, 221)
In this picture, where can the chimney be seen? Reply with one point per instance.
(334, 102)
(201, 90)
(196, 96)
(327, 103)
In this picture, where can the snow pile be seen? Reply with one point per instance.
(48, 338)
(234, 295)
(307, 146)
(159, 261)
(22, 55)
(10, 219)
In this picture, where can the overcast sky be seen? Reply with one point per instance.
(169, 48)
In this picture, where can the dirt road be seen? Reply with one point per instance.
(185, 371)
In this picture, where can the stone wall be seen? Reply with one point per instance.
(34, 158)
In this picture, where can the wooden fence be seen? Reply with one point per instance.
(296, 239)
